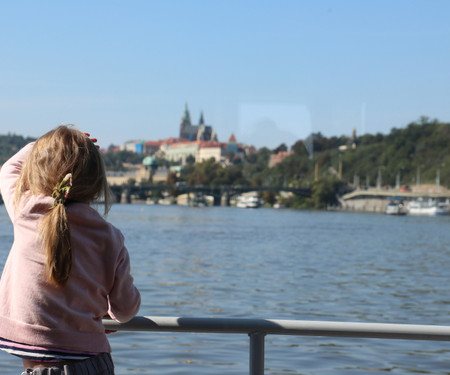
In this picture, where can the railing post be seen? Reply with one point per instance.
(257, 353)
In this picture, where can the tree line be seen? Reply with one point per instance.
(330, 166)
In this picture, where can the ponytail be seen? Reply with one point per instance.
(55, 235)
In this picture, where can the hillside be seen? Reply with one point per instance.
(417, 151)
(10, 144)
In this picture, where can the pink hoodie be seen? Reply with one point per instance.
(36, 313)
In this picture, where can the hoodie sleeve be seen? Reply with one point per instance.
(9, 174)
(124, 298)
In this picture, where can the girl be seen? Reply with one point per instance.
(67, 268)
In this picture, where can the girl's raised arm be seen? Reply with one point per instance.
(9, 174)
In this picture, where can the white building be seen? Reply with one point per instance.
(180, 151)
(133, 146)
(208, 150)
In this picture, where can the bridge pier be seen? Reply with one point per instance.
(125, 197)
(225, 199)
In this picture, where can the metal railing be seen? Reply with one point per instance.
(257, 329)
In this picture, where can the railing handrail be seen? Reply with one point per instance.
(258, 328)
(283, 327)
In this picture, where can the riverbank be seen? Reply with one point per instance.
(376, 200)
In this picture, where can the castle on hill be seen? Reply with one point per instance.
(197, 141)
(200, 132)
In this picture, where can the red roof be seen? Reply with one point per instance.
(212, 144)
(154, 143)
(172, 140)
(182, 142)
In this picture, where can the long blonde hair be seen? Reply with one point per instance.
(57, 153)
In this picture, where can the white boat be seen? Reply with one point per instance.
(430, 207)
(395, 208)
(248, 201)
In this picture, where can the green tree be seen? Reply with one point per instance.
(281, 148)
(204, 173)
(269, 197)
(325, 192)
(115, 160)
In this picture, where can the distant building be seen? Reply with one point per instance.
(278, 158)
(351, 142)
(140, 147)
(208, 150)
(180, 151)
(200, 132)
(250, 150)
(133, 146)
(232, 145)
(198, 141)
(200, 151)
(152, 147)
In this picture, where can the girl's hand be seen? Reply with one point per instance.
(108, 317)
(94, 140)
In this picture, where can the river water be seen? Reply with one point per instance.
(228, 262)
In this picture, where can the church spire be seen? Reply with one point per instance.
(202, 120)
(186, 119)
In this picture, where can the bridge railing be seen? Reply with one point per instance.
(257, 329)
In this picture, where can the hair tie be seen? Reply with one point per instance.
(61, 191)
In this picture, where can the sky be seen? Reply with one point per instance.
(269, 72)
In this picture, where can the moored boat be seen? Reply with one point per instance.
(395, 208)
(248, 201)
(430, 207)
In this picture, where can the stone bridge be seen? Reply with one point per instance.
(221, 194)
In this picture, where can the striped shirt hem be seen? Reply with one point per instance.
(39, 353)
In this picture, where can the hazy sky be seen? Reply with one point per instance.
(267, 71)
